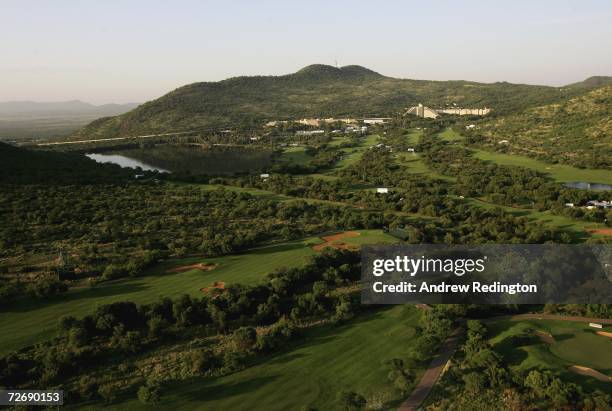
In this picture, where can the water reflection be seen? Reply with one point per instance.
(124, 161)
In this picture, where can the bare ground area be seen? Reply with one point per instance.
(579, 369)
(545, 337)
(335, 241)
(198, 266)
(603, 231)
(604, 334)
(216, 286)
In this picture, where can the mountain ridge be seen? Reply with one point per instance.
(73, 106)
(314, 91)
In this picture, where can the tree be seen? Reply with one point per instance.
(244, 338)
(474, 382)
(149, 393)
(108, 393)
(351, 401)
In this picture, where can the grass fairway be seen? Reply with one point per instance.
(559, 172)
(575, 344)
(327, 361)
(450, 135)
(27, 322)
(579, 229)
(414, 136)
(295, 155)
(353, 154)
(415, 164)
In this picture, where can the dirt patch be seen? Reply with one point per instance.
(545, 337)
(602, 231)
(604, 334)
(334, 241)
(579, 369)
(198, 266)
(215, 287)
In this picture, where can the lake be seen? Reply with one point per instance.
(124, 161)
(196, 160)
(588, 186)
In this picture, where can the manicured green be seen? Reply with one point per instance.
(575, 344)
(326, 361)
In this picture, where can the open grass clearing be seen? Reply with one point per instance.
(559, 172)
(295, 155)
(578, 228)
(327, 360)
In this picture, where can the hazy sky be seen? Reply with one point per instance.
(133, 50)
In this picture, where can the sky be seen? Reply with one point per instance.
(135, 50)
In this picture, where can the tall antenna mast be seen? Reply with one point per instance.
(336, 60)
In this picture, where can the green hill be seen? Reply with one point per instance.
(592, 82)
(314, 91)
(576, 131)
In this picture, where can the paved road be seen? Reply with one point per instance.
(446, 351)
(432, 374)
(58, 143)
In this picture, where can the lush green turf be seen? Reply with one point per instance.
(415, 164)
(370, 237)
(413, 136)
(295, 155)
(30, 321)
(559, 172)
(253, 191)
(329, 360)
(578, 228)
(353, 154)
(450, 135)
(575, 344)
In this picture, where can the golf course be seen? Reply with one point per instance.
(31, 321)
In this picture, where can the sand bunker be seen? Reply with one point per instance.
(545, 337)
(217, 286)
(334, 241)
(603, 231)
(198, 266)
(604, 334)
(579, 369)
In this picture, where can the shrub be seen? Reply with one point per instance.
(149, 394)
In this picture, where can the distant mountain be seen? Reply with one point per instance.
(32, 120)
(314, 91)
(62, 107)
(576, 131)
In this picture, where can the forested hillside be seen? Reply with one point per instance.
(314, 91)
(577, 131)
